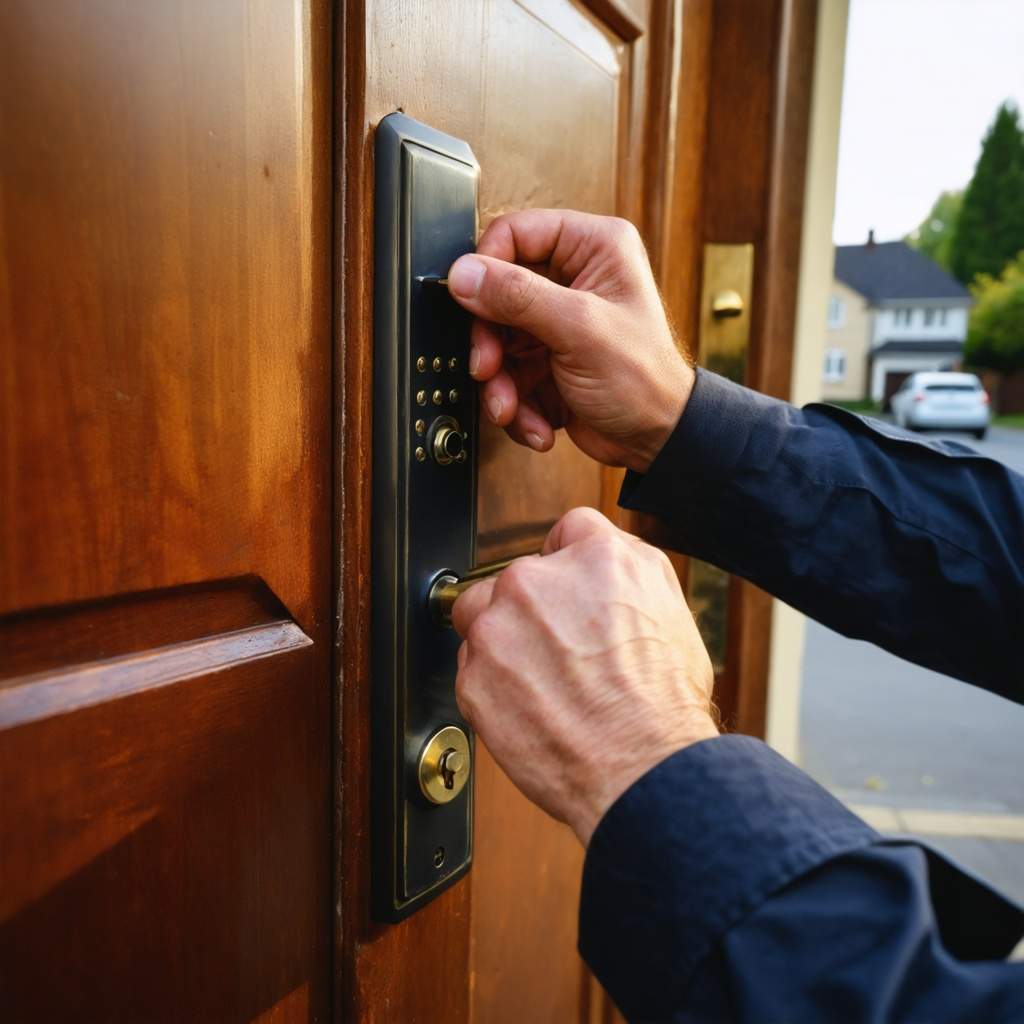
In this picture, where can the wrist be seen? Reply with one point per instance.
(673, 391)
(623, 765)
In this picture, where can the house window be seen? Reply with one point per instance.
(942, 317)
(929, 317)
(835, 364)
(836, 311)
(902, 317)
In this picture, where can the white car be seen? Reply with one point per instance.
(942, 401)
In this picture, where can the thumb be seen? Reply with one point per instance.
(506, 293)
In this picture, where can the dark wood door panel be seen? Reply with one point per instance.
(165, 529)
(524, 958)
(549, 94)
(162, 854)
(163, 298)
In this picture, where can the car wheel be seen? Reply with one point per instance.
(980, 434)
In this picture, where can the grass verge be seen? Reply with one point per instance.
(1014, 420)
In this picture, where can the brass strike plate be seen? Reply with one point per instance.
(724, 345)
(725, 309)
(424, 513)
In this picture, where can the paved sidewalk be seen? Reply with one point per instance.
(914, 752)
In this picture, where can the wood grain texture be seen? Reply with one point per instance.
(159, 853)
(680, 253)
(165, 446)
(552, 100)
(163, 256)
(738, 164)
(525, 904)
(50, 639)
(776, 283)
(528, 85)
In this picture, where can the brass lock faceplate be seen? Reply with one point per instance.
(424, 508)
(445, 765)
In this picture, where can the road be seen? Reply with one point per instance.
(911, 748)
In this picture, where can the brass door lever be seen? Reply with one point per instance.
(445, 590)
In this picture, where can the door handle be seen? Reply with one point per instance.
(424, 514)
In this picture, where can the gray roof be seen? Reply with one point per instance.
(928, 347)
(883, 271)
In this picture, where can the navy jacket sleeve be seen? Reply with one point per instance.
(726, 884)
(916, 545)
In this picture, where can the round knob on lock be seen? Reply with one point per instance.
(444, 765)
(447, 441)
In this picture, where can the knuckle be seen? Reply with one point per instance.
(583, 516)
(649, 552)
(608, 548)
(516, 581)
(517, 292)
(477, 637)
(623, 230)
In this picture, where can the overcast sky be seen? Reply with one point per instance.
(923, 80)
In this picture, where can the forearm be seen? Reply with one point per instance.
(916, 546)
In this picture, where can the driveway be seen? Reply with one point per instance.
(916, 752)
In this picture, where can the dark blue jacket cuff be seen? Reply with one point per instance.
(705, 447)
(687, 852)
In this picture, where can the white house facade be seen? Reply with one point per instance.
(893, 312)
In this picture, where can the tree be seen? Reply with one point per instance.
(934, 235)
(990, 229)
(995, 333)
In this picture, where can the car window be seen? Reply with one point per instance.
(951, 387)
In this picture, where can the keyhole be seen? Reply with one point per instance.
(451, 764)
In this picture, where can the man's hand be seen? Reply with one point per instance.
(571, 332)
(583, 668)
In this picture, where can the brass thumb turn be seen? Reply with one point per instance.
(445, 590)
(727, 303)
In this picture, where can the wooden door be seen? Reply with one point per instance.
(165, 503)
(689, 118)
(185, 425)
(562, 104)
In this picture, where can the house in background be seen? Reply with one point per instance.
(891, 312)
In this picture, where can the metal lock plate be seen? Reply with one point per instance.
(424, 468)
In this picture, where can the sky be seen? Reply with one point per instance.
(922, 82)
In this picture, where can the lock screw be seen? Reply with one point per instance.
(437, 364)
(438, 397)
(421, 364)
(453, 363)
(421, 426)
(420, 454)
(421, 398)
(453, 396)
